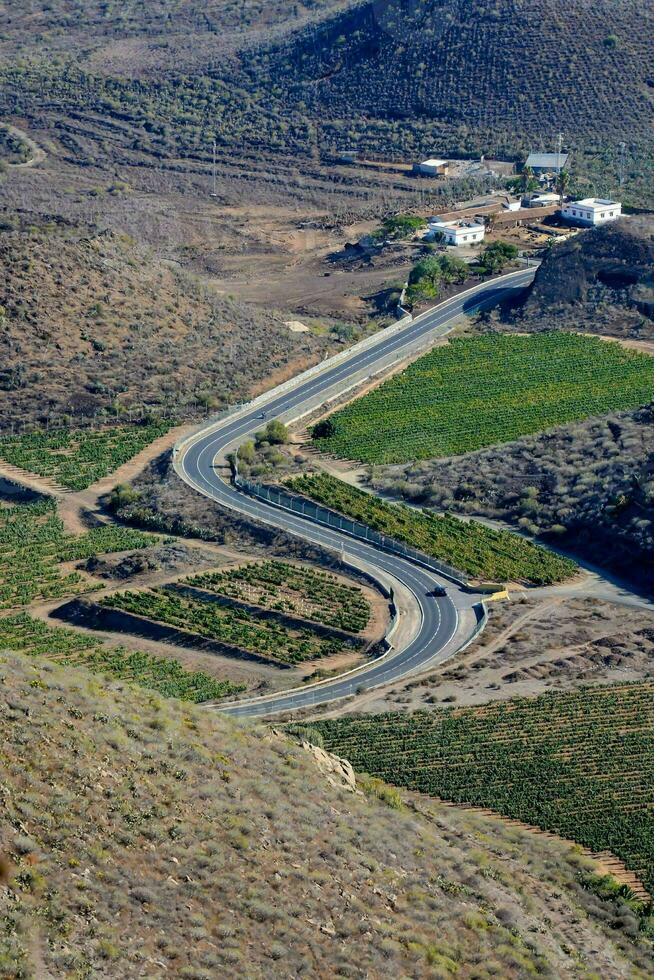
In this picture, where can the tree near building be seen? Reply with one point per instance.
(495, 257)
(528, 180)
(562, 184)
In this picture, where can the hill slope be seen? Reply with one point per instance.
(88, 321)
(516, 67)
(138, 39)
(150, 838)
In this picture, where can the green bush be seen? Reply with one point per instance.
(495, 257)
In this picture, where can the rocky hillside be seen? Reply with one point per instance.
(586, 67)
(136, 38)
(601, 281)
(90, 322)
(147, 838)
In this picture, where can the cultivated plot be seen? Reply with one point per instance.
(475, 549)
(166, 676)
(234, 627)
(556, 761)
(33, 547)
(475, 392)
(301, 591)
(77, 458)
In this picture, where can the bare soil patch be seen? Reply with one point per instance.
(531, 646)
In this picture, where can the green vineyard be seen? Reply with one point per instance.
(167, 677)
(303, 592)
(33, 545)
(231, 626)
(472, 547)
(578, 764)
(479, 391)
(76, 459)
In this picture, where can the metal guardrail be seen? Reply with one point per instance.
(329, 518)
(330, 362)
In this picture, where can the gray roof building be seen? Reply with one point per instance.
(547, 162)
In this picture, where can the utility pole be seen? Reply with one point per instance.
(214, 193)
(621, 163)
(558, 156)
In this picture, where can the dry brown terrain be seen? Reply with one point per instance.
(144, 837)
(94, 323)
(532, 645)
(265, 239)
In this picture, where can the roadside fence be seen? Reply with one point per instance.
(329, 518)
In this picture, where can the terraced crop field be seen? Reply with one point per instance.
(472, 547)
(478, 391)
(580, 764)
(234, 627)
(300, 591)
(166, 677)
(77, 458)
(33, 545)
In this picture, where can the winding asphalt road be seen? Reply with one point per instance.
(194, 462)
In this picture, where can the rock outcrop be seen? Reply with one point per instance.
(600, 281)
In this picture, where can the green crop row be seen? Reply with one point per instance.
(472, 547)
(234, 627)
(33, 545)
(293, 589)
(476, 392)
(64, 646)
(78, 458)
(580, 764)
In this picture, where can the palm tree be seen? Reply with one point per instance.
(527, 178)
(562, 184)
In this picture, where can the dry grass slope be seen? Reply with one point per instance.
(133, 38)
(150, 838)
(89, 322)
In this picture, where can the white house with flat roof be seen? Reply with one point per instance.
(432, 168)
(457, 232)
(591, 211)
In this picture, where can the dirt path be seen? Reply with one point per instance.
(38, 153)
(502, 637)
(81, 509)
(32, 481)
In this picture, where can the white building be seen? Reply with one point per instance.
(432, 168)
(544, 200)
(458, 231)
(591, 211)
